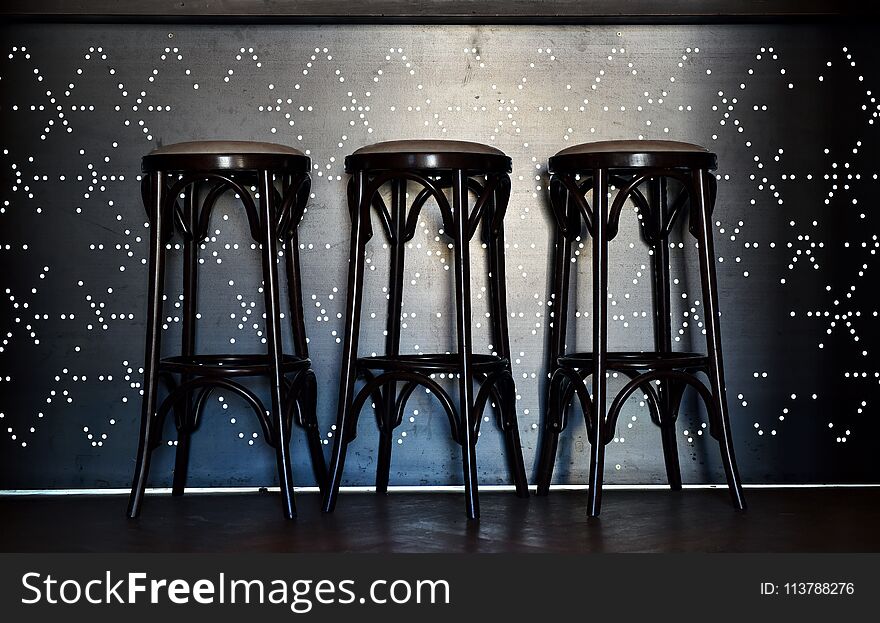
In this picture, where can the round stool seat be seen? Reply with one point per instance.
(631, 155)
(225, 155)
(429, 154)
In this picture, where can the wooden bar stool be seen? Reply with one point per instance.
(431, 167)
(662, 375)
(201, 172)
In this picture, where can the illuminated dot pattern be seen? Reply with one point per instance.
(795, 228)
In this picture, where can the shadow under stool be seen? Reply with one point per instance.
(662, 375)
(200, 173)
(476, 177)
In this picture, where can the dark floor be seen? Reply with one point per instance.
(794, 520)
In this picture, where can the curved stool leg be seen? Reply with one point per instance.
(308, 397)
(671, 401)
(308, 403)
(501, 339)
(153, 343)
(181, 454)
(702, 210)
(553, 426)
(294, 296)
(512, 444)
(662, 328)
(600, 338)
(465, 348)
(348, 373)
(188, 346)
(274, 341)
(559, 295)
(387, 408)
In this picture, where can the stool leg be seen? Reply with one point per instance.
(465, 352)
(388, 412)
(269, 240)
(348, 374)
(549, 441)
(308, 402)
(294, 297)
(153, 345)
(559, 296)
(188, 346)
(308, 398)
(501, 339)
(512, 444)
(663, 330)
(702, 211)
(600, 338)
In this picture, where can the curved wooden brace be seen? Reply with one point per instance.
(488, 385)
(474, 186)
(694, 218)
(309, 391)
(401, 375)
(400, 405)
(230, 184)
(378, 204)
(216, 191)
(652, 398)
(296, 206)
(628, 189)
(678, 204)
(368, 376)
(147, 199)
(502, 200)
(578, 197)
(377, 182)
(292, 390)
(351, 192)
(170, 383)
(575, 385)
(676, 394)
(176, 209)
(483, 193)
(201, 403)
(647, 377)
(412, 220)
(184, 388)
(567, 221)
(284, 204)
(621, 197)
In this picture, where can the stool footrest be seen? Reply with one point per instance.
(638, 360)
(229, 365)
(430, 363)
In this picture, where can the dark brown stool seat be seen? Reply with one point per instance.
(229, 155)
(646, 173)
(469, 182)
(201, 172)
(632, 154)
(429, 154)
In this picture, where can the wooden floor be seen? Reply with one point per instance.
(780, 520)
